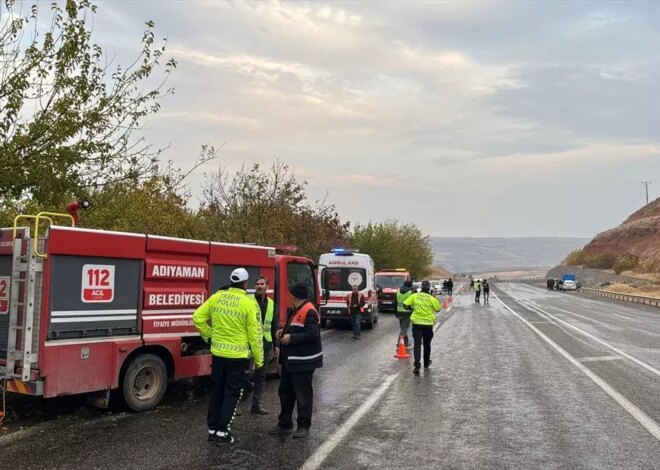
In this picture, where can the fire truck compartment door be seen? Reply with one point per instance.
(92, 296)
(5, 277)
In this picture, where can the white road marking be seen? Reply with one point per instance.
(599, 358)
(590, 336)
(437, 325)
(324, 450)
(319, 456)
(648, 423)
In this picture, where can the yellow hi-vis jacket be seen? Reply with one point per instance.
(424, 308)
(231, 320)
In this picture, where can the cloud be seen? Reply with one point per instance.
(393, 104)
(369, 180)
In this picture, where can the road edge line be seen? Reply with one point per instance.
(324, 450)
(639, 362)
(651, 426)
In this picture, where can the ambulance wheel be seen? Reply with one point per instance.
(145, 382)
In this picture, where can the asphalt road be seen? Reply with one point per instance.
(536, 379)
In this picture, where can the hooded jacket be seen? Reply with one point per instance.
(402, 310)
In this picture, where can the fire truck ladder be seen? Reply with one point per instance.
(26, 275)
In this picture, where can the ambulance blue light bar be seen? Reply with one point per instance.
(344, 251)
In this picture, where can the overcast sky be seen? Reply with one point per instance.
(468, 119)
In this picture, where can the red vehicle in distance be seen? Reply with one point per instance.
(388, 282)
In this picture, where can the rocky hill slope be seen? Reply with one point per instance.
(637, 236)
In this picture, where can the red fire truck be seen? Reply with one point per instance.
(90, 311)
(388, 282)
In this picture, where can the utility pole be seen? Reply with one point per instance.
(646, 185)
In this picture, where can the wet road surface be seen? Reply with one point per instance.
(498, 395)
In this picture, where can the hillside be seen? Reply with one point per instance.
(638, 236)
(462, 255)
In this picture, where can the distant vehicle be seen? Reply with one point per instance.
(417, 286)
(569, 285)
(436, 287)
(341, 270)
(388, 282)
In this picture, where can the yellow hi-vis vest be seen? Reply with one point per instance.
(424, 307)
(268, 320)
(229, 319)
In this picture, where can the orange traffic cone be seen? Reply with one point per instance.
(445, 304)
(401, 352)
(450, 298)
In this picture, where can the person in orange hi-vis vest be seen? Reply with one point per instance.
(301, 353)
(355, 303)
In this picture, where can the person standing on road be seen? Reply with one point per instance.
(471, 284)
(266, 309)
(403, 312)
(486, 288)
(355, 303)
(477, 290)
(301, 354)
(425, 307)
(228, 321)
(450, 287)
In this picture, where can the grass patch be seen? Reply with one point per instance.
(646, 291)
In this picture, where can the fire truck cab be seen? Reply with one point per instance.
(340, 271)
(388, 282)
(90, 311)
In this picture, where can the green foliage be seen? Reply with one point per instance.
(67, 120)
(648, 266)
(625, 263)
(602, 261)
(150, 206)
(268, 207)
(394, 244)
(575, 258)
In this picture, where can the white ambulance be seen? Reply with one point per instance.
(339, 271)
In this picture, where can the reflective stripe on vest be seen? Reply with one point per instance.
(400, 299)
(301, 315)
(268, 319)
(304, 353)
(349, 297)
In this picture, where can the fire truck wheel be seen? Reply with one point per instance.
(145, 382)
(370, 324)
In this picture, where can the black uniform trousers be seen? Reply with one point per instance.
(228, 380)
(422, 334)
(296, 389)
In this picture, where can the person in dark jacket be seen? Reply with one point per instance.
(450, 287)
(269, 325)
(301, 354)
(355, 303)
(485, 287)
(403, 312)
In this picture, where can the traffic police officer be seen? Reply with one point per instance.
(300, 354)
(402, 311)
(266, 309)
(228, 320)
(424, 306)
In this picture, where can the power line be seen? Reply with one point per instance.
(646, 185)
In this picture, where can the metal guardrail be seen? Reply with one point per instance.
(636, 299)
(523, 280)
